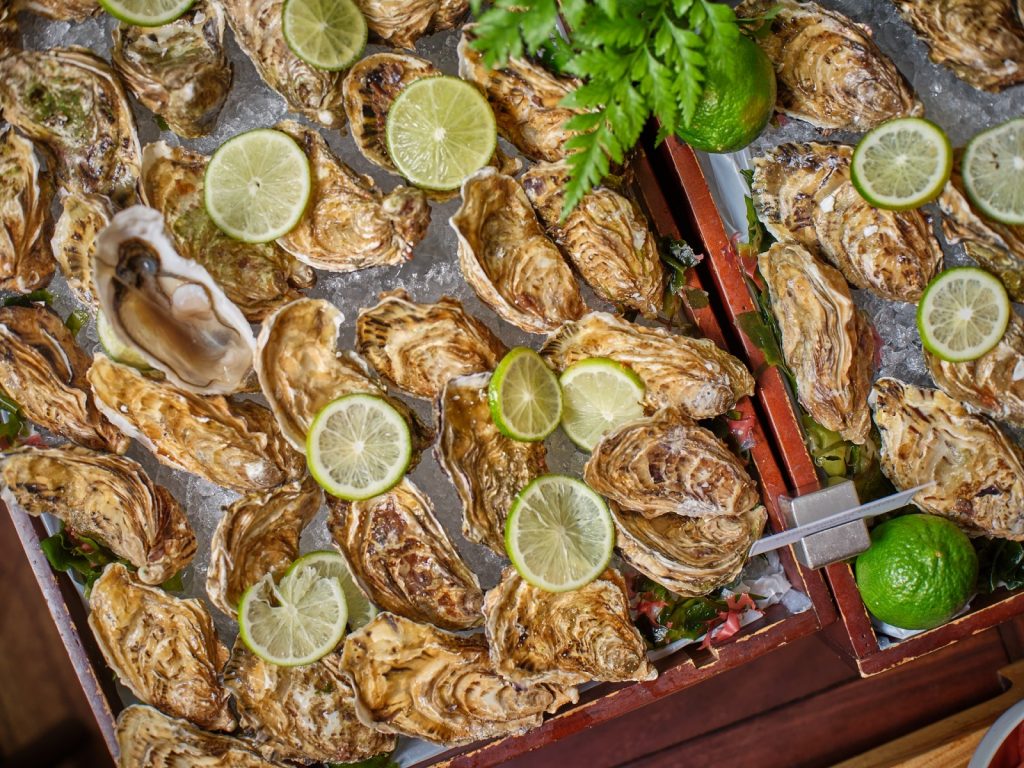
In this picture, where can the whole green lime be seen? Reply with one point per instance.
(738, 100)
(919, 571)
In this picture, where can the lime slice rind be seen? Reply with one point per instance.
(326, 34)
(118, 349)
(599, 394)
(993, 172)
(902, 164)
(332, 564)
(963, 314)
(146, 13)
(525, 397)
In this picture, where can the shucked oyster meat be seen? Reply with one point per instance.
(978, 471)
(106, 498)
(70, 101)
(803, 192)
(830, 72)
(404, 560)
(164, 648)
(606, 237)
(419, 347)
(26, 261)
(178, 71)
(416, 680)
(82, 218)
(402, 22)
(693, 375)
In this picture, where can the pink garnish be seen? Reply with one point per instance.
(742, 430)
(651, 609)
(727, 622)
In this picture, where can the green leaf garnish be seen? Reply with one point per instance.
(76, 321)
(28, 299)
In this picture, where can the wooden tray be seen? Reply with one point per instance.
(776, 403)
(597, 705)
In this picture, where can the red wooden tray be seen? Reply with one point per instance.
(775, 401)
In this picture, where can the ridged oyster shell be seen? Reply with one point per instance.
(58, 10)
(81, 220)
(26, 261)
(402, 22)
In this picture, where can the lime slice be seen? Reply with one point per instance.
(326, 34)
(146, 13)
(115, 347)
(993, 170)
(525, 399)
(902, 164)
(294, 622)
(598, 394)
(963, 314)
(358, 447)
(331, 564)
(257, 185)
(439, 131)
(559, 534)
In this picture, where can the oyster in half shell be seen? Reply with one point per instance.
(803, 192)
(486, 468)
(71, 103)
(404, 560)
(58, 10)
(830, 72)
(416, 680)
(303, 714)
(74, 240)
(402, 22)
(565, 638)
(690, 556)
(419, 347)
(257, 535)
(827, 342)
(168, 307)
(44, 371)
(178, 71)
(508, 260)
(693, 375)
(26, 261)
(349, 224)
(107, 498)
(978, 471)
(164, 648)
(982, 41)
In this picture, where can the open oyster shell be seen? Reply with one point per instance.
(402, 22)
(416, 680)
(303, 714)
(258, 534)
(693, 375)
(178, 71)
(107, 498)
(404, 560)
(81, 220)
(978, 471)
(486, 468)
(165, 649)
(168, 307)
(44, 371)
(565, 638)
(419, 347)
(70, 101)
(803, 192)
(26, 260)
(58, 10)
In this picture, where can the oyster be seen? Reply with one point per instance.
(315, 93)
(74, 240)
(178, 71)
(257, 277)
(258, 534)
(70, 101)
(402, 22)
(169, 308)
(693, 375)
(507, 259)
(26, 261)
(349, 224)
(419, 347)
(526, 99)
(404, 560)
(59, 10)
(565, 638)
(416, 680)
(690, 556)
(164, 648)
(803, 192)
(231, 443)
(606, 237)
(828, 343)
(44, 371)
(487, 468)
(306, 714)
(982, 41)
(830, 72)
(301, 370)
(106, 498)
(978, 471)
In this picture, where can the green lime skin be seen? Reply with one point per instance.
(737, 103)
(919, 571)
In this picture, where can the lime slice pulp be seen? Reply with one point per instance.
(524, 396)
(598, 395)
(332, 565)
(118, 350)
(963, 314)
(326, 34)
(146, 13)
(902, 164)
(993, 171)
